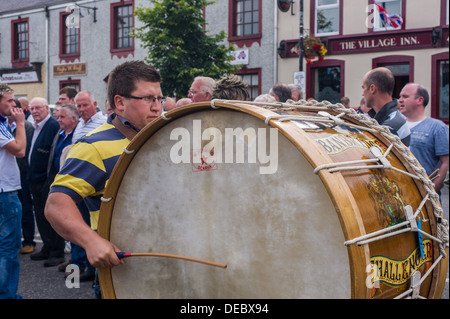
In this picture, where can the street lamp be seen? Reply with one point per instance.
(300, 53)
(435, 34)
(284, 5)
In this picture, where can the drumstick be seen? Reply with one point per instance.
(434, 177)
(430, 176)
(122, 255)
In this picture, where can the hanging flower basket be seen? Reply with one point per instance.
(312, 48)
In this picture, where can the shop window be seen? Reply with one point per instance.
(440, 86)
(443, 90)
(326, 81)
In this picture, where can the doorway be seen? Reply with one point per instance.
(402, 67)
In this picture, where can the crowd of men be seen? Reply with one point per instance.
(54, 168)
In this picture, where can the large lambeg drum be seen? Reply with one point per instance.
(307, 200)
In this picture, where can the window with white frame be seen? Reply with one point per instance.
(327, 17)
(392, 7)
(446, 19)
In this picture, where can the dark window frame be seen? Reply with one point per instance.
(70, 82)
(114, 47)
(16, 60)
(63, 55)
(323, 64)
(253, 71)
(240, 41)
(435, 96)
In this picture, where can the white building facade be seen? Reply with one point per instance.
(357, 41)
(37, 42)
(36, 38)
(39, 54)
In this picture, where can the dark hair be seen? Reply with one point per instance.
(18, 105)
(283, 92)
(421, 91)
(122, 80)
(71, 92)
(383, 79)
(231, 87)
(345, 100)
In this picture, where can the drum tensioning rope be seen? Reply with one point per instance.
(371, 125)
(122, 255)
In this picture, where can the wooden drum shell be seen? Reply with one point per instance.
(357, 200)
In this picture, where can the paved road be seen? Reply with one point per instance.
(38, 282)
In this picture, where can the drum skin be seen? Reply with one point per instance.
(280, 234)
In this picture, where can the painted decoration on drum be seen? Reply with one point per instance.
(397, 272)
(387, 197)
(208, 161)
(338, 143)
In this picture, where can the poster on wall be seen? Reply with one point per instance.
(240, 57)
(300, 80)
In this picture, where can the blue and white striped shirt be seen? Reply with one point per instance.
(9, 171)
(83, 128)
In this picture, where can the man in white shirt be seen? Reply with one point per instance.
(10, 206)
(89, 117)
(429, 136)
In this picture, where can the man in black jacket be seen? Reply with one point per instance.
(45, 129)
(378, 87)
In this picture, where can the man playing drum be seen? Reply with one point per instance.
(134, 94)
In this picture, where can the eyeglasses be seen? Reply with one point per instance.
(36, 108)
(148, 99)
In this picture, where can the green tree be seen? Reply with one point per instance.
(179, 46)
